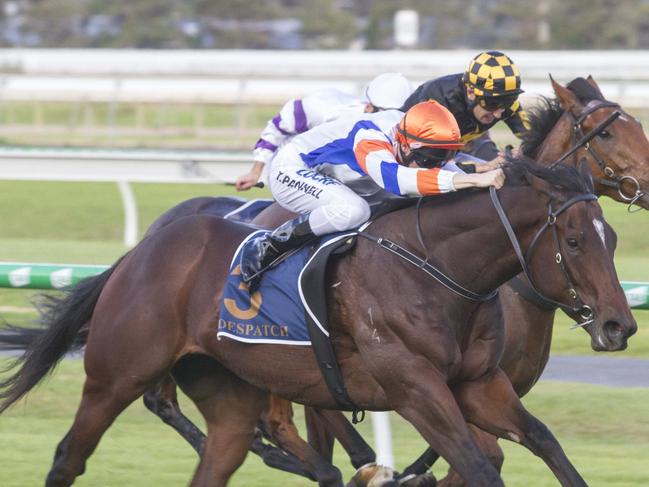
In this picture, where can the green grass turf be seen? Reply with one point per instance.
(604, 431)
(135, 115)
(88, 211)
(133, 125)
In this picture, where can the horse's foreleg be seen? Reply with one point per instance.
(488, 445)
(422, 465)
(277, 458)
(163, 402)
(319, 435)
(431, 407)
(332, 424)
(492, 405)
(278, 425)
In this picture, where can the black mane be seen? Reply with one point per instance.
(542, 118)
(562, 176)
(545, 115)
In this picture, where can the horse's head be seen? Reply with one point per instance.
(570, 255)
(617, 153)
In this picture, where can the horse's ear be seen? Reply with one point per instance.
(591, 81)
(540, 185)
(586, 174)
(567, 98)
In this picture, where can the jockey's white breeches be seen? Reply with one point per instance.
(331, 205)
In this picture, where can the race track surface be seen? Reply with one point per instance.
(606, 371)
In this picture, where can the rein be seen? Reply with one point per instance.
(613, 181)
(584, 311)
(423, 264)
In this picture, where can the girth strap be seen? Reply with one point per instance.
(312, 286)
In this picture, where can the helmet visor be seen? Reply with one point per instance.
(428, 157)
(493, 103)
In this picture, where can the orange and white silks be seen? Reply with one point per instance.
(375, 155)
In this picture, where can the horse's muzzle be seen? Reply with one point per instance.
(612, 335)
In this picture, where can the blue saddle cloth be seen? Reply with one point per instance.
(275, 313)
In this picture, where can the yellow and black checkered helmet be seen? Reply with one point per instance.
(492, 73)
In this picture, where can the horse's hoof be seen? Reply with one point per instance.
(425, 480)
(373, 475)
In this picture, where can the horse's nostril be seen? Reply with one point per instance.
(613, 330)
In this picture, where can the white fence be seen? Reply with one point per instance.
(232, 76)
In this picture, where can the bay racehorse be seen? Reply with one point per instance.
(427, 355)
(618, 156)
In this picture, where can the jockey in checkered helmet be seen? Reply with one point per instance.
(493, 81)
(479, 98)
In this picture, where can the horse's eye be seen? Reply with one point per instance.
(573, 243)
(604, 134)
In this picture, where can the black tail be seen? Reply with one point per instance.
(63, 319)
(15, 338)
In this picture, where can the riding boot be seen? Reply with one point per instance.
(262, 251)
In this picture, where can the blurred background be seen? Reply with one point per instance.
(209, 74)
(167, 97)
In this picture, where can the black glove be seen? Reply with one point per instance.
(467, 167)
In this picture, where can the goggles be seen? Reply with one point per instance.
(428, 157)
(493, 103)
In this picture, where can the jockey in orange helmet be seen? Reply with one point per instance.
(428, 134)
(403, 153)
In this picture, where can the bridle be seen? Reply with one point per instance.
(610, 179)
(578, 306)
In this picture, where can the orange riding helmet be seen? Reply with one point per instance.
(431, 132)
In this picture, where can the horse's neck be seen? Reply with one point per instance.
(557, 142)
(476, 251)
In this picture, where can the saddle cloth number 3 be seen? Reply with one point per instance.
(255, 301)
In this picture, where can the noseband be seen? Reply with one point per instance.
(578, 306)
(611, 180)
